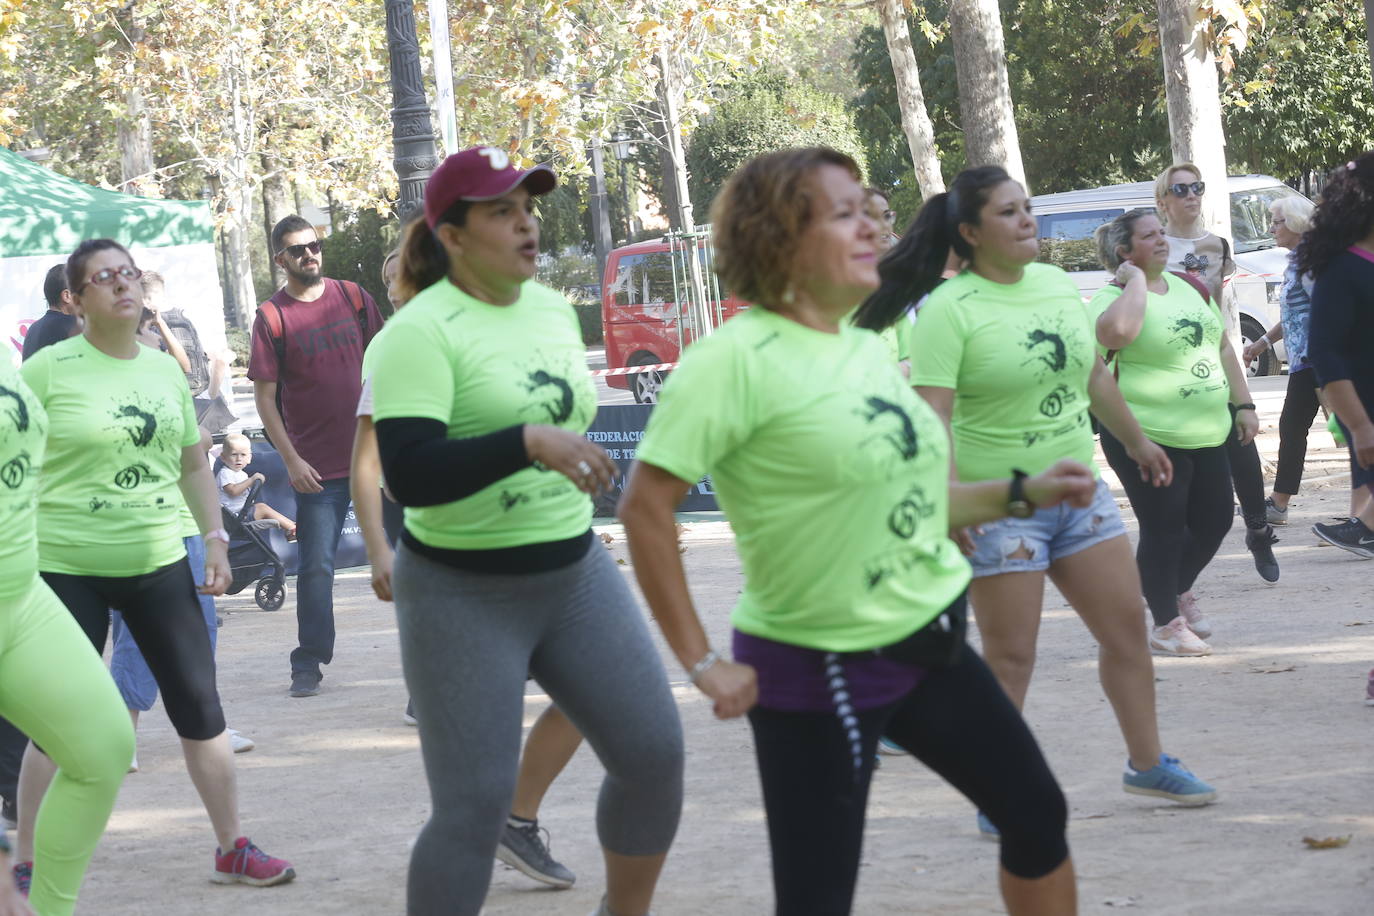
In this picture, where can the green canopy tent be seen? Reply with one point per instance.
(44, 216)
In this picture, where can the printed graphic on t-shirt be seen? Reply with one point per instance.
(1052, 346)
(1188, 332)
(15, 408)
(335, 335)
(1196, 264)
(19, 466)
(547, 381)
(902, 438)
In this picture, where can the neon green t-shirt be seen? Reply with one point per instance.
(109, 503)
(1171, 374)
(23, 439)
(833, 474)
(480, 368)
(1018, 356)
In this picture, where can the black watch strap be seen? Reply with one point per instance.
(1018, 506)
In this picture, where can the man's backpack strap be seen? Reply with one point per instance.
(354, 294)
(271, 316)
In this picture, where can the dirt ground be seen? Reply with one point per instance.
(1274, 719)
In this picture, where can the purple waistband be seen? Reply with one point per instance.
(793, 678)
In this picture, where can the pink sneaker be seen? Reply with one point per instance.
(1174, 638)
(1187, 607)
(1368, 700)
(247, 864)
(23, 877)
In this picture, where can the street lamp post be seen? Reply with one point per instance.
(412, 132)
(623, 147)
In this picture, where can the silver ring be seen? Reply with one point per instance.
(584, 469)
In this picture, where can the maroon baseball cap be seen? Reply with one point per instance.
(480, 173)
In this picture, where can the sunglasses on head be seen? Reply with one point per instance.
(296, 252)
(1181, 189)
(107, 276)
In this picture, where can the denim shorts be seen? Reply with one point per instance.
(1032, 544)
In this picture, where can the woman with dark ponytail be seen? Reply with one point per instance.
(1339, 251)
(1004, 352)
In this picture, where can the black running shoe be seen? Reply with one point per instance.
(1260, 542)
(1352, 535)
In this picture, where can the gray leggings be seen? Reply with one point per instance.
(468, 641)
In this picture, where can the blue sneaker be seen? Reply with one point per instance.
(890, 747)
(987, 829)
(1168, 779)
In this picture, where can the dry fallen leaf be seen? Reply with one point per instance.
(1358, 623)
(620, 560)
(607, 537)
(682, 548)
(1331, 842)
(1274, 670)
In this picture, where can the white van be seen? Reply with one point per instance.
(1066, 223)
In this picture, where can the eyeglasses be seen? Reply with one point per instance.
(1181, 189)
(107, 276)
(296, 252)
(889, 216)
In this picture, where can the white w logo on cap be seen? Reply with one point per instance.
(498, 158)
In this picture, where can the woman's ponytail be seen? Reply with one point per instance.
(911, 269)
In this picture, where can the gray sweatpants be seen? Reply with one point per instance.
(468, 641)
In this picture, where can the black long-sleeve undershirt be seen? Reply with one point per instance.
(424, 467)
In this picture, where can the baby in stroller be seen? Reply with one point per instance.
(234, 484)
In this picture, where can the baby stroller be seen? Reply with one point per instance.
(251, 557)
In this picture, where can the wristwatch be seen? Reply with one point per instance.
(1017, 504)
(216, 534)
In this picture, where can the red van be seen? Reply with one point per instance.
(652, 306)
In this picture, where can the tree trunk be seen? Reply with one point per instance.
(669, 98)
(239, 261)
(1369, 32)
(136, 166)
(276, 203)
(1194, 96)
(1195, 129)
(980, 61)
(920, 135)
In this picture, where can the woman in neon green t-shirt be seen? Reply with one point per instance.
(77, 714)
(1004, 352)
(481, 399)
(1174, 363)
(122, 455)
(834, 478)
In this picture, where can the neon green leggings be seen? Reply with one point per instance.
(55, 689)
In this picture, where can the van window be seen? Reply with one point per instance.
(643, 279)
(1250, 216)
(1066, 239)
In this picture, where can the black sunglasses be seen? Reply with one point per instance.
(296, 252)
(1181, 189)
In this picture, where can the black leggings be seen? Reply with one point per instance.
(164, 617)
(1248, 478)
(1181, 525)
(958, 722)
(1300, 406)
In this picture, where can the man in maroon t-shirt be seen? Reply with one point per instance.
(307, 353)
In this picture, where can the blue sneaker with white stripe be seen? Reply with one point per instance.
(1168, 779)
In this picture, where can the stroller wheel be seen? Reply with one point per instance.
(270, 594)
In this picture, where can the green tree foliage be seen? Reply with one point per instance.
(761, 112)
(1300, 98)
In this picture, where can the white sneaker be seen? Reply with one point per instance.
(1187, 606)
(239, 744)
(133, 764)
(1174, 638)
